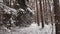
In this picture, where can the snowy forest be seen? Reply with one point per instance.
(29, 17)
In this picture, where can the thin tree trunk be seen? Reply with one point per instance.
(41, 14)
(37, 13)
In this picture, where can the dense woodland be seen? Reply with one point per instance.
(25, 12)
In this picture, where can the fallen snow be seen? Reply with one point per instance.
(33, 29)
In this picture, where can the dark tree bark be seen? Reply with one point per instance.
(57, 17)
(41, 14)
(22, 3)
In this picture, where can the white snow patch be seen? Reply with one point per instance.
(30, 10)
(34, 29)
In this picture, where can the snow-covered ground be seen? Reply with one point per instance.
(33, 29)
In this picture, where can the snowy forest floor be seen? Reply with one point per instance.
(32, 29)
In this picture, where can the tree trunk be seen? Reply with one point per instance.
(41, 14)
(57, 17)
